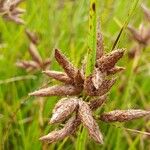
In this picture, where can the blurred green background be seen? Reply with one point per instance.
(64, 24)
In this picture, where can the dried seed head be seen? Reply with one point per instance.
(146, 11)
(123, 115)
(107, 62)
(88, 121)
(35, 54)
(60, 76)
(61, 112)
(66, 65)
(57, 90)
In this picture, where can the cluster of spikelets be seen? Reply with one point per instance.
(83, 95)
(37, 63)
(141, 36)
(9, 10)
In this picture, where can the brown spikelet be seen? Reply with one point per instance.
(97, 102)
(57, 90)
(103, 89)
(66, 65)
(136, 35)
(78, 79)
(115, 70)
(32, 36)
(99, 47)
(30, 63)
(60, 76)
(123, 115)
(34, 53)
(68, 129)
(146, 11)
(20, 65)
(59, 103)
(88, 121)
(27, 64)
(108, 61)
(61, 112)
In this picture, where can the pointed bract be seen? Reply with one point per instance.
(57, 90)
(60, 76)
(65, 63)
(108, 61)
(78, 79)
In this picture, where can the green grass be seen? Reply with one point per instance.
(64, 24)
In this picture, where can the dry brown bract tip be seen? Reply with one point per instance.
(37, 63)
(10, 11)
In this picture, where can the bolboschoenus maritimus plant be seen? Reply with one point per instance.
(82, 95)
